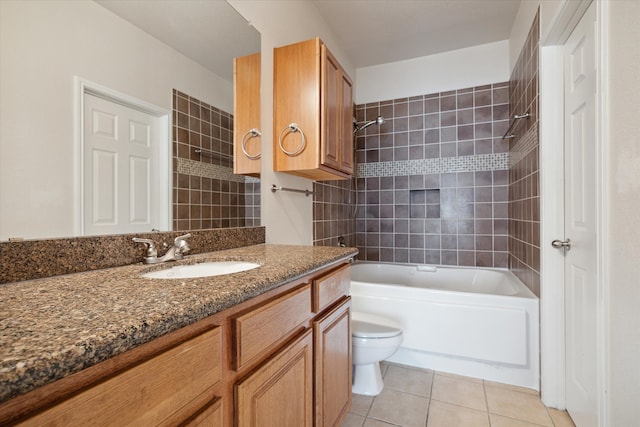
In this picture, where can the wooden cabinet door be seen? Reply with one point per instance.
(246, 115)
(337, 108)
(331, 107)
(347, 140)
(296, 100)
(332, 346)
(280, 392)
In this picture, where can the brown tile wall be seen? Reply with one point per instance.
(524, 198)
(433, 179)
(205, 200)
(333, 212)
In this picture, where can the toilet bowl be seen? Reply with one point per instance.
(373, 339)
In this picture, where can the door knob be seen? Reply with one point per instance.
(559, 244)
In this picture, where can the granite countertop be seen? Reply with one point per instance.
(56, 326)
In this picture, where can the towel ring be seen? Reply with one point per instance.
(253, 132)
(293, 127)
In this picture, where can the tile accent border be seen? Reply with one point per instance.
(476, 163)
(208, 170)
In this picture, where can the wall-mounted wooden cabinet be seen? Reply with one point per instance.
(313, 113)
(246, 111)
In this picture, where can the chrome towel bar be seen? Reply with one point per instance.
(508, 133)
(275, 188)
(213, 154)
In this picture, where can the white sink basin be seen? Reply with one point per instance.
(205, 269)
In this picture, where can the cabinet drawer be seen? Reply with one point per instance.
(331, 287)
(259, 331)
(149, 392)
(210, 416)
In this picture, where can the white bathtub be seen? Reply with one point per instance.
(476, 322)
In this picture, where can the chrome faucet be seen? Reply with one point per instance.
(175, 252)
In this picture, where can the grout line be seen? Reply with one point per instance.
(486, 402)
(433, 377)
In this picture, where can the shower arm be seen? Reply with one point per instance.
(363, 125)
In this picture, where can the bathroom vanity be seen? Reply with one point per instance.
(112, 347)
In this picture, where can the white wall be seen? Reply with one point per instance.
(457, 69)
(623, 241)
(43, 44)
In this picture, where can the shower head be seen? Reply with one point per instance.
(358, 126)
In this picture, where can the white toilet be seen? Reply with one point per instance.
(373, 339)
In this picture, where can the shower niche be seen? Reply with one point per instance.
(424, 203)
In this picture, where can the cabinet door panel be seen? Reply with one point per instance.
(332, 346)
(347, 138)
(296, 93)
(280, 392)
(331, 100)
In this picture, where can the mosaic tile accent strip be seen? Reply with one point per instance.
(528, 142)
(484, 162)
(207, 170)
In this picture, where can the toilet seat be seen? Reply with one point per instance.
(361, 329)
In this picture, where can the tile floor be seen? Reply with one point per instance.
(416, 397)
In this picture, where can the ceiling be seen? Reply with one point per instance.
(370, 32)
(373, 32)
(210, 32)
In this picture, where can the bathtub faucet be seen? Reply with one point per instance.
(175, 252)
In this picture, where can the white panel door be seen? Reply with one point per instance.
(580, 222)
(121, 168)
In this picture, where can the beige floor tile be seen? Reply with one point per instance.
(560, 418)
(408, 380)
(413, 368)
(443, 414)
(460, 377)
(402, 409)
(383, 368)
(522, 406)
(376, 423)
(360, 404)
(512, 387)
(353, 420)
(500, 421)
(459, 392)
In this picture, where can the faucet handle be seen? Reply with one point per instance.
(180, 240)
(181, 245)
(151, 248)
